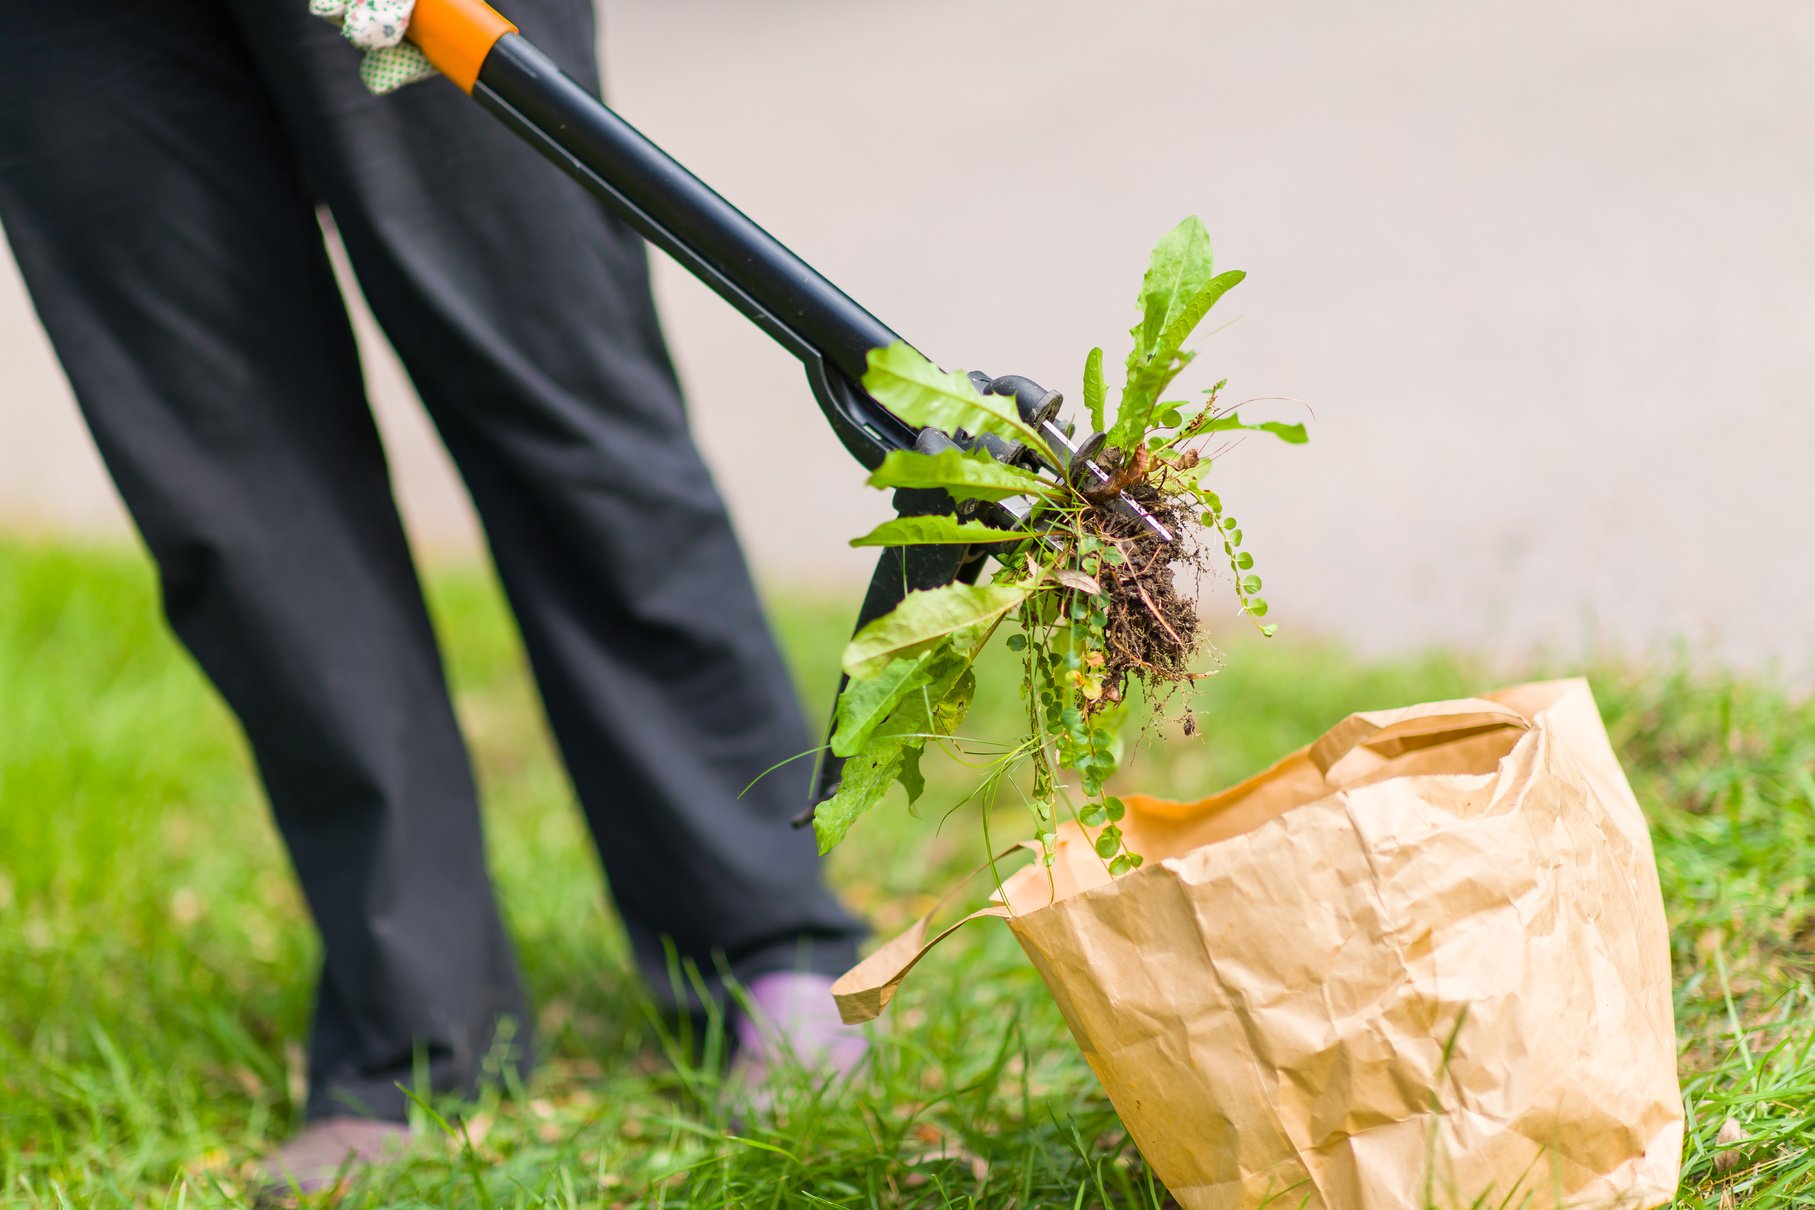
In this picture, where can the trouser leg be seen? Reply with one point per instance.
(151, 197)
(522, 311)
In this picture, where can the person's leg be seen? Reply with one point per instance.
(151, 198)
(523, 313)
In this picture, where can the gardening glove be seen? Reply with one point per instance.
(377, 27)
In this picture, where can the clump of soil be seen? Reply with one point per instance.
(1152, 631)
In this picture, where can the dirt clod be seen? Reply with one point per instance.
(1152, 630)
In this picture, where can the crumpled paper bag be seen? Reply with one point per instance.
(1422, 960)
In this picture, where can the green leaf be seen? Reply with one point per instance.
(1269, 630)
(933, 531)
(1180, 287)
(1291, 434)
(1108, 841)
(950, 707)
(1092, 815)
(866, 779)
(966, 474)
(1148, 380)
(867, 701)
(925, 616)
(892, 750)
(1244, 560)
(1182, 325)
(921, 393)
(1250, 584)
(1093, 388)
(1180, 268)
(1257, 607)
(1116, 808)
(894, 703)
(908, 772)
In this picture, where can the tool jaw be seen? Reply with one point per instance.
(1073, 461)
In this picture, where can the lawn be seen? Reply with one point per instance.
(155, 961)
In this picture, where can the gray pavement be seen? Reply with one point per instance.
(1544, 274)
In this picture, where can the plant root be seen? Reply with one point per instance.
(1152, 631)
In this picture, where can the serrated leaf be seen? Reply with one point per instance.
(925, 616)
(921, 393)
(1093, 388)
(966, 474)
(933, 531)
(1149, 380)
(1194, 310)
(1071, 577)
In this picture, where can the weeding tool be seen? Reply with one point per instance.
(481, 51)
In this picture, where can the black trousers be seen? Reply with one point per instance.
(160, 169)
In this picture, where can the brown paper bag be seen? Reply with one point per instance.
(1422, 960)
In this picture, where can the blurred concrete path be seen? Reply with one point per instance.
(1545, 272)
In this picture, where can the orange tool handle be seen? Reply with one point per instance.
(457, 35)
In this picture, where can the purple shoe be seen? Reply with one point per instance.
(325, 1155)
(790, 1023)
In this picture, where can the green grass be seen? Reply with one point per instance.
(155, 961)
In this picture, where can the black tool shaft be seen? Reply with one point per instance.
(676, 211)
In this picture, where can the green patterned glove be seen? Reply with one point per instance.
(377, 27)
